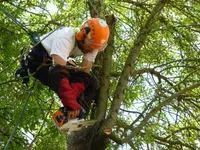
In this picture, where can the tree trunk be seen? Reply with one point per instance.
(87, 139)
(92, 137)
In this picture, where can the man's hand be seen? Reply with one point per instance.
(73, 114)
(88, 60)
(86, 66)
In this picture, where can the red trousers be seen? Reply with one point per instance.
(69, 93)
(66, 83)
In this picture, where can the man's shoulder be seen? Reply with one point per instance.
(67, 32)
(68, 29)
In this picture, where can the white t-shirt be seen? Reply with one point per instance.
(62, 43)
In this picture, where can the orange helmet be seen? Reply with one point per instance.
(95, 33)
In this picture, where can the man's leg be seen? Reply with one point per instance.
(69, 93)
(69, 85)
(90, 84)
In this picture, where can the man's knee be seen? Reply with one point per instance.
(55, 75)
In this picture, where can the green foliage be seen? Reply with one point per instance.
(167, 63)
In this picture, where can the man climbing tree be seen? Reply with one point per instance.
(55, 48)
(148, 76)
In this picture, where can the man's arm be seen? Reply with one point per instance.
(86, 65)
(87, 61)
(58, 60)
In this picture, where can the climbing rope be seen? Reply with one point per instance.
(14, 20)
(20, 117)
(34, 36)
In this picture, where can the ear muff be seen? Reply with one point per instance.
(80, 36)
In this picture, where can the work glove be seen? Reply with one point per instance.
(69, 113)
(90, 56)
(73, 114)
(71, 62)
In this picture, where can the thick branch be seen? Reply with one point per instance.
(95, 7)
(138, 4)
(106, 70)
(176, 142)
(131, 60)
(115, 138)
(156, 73)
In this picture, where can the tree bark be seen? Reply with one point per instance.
(87, 139)
(93, 137)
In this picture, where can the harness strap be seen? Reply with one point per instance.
(44, 57)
